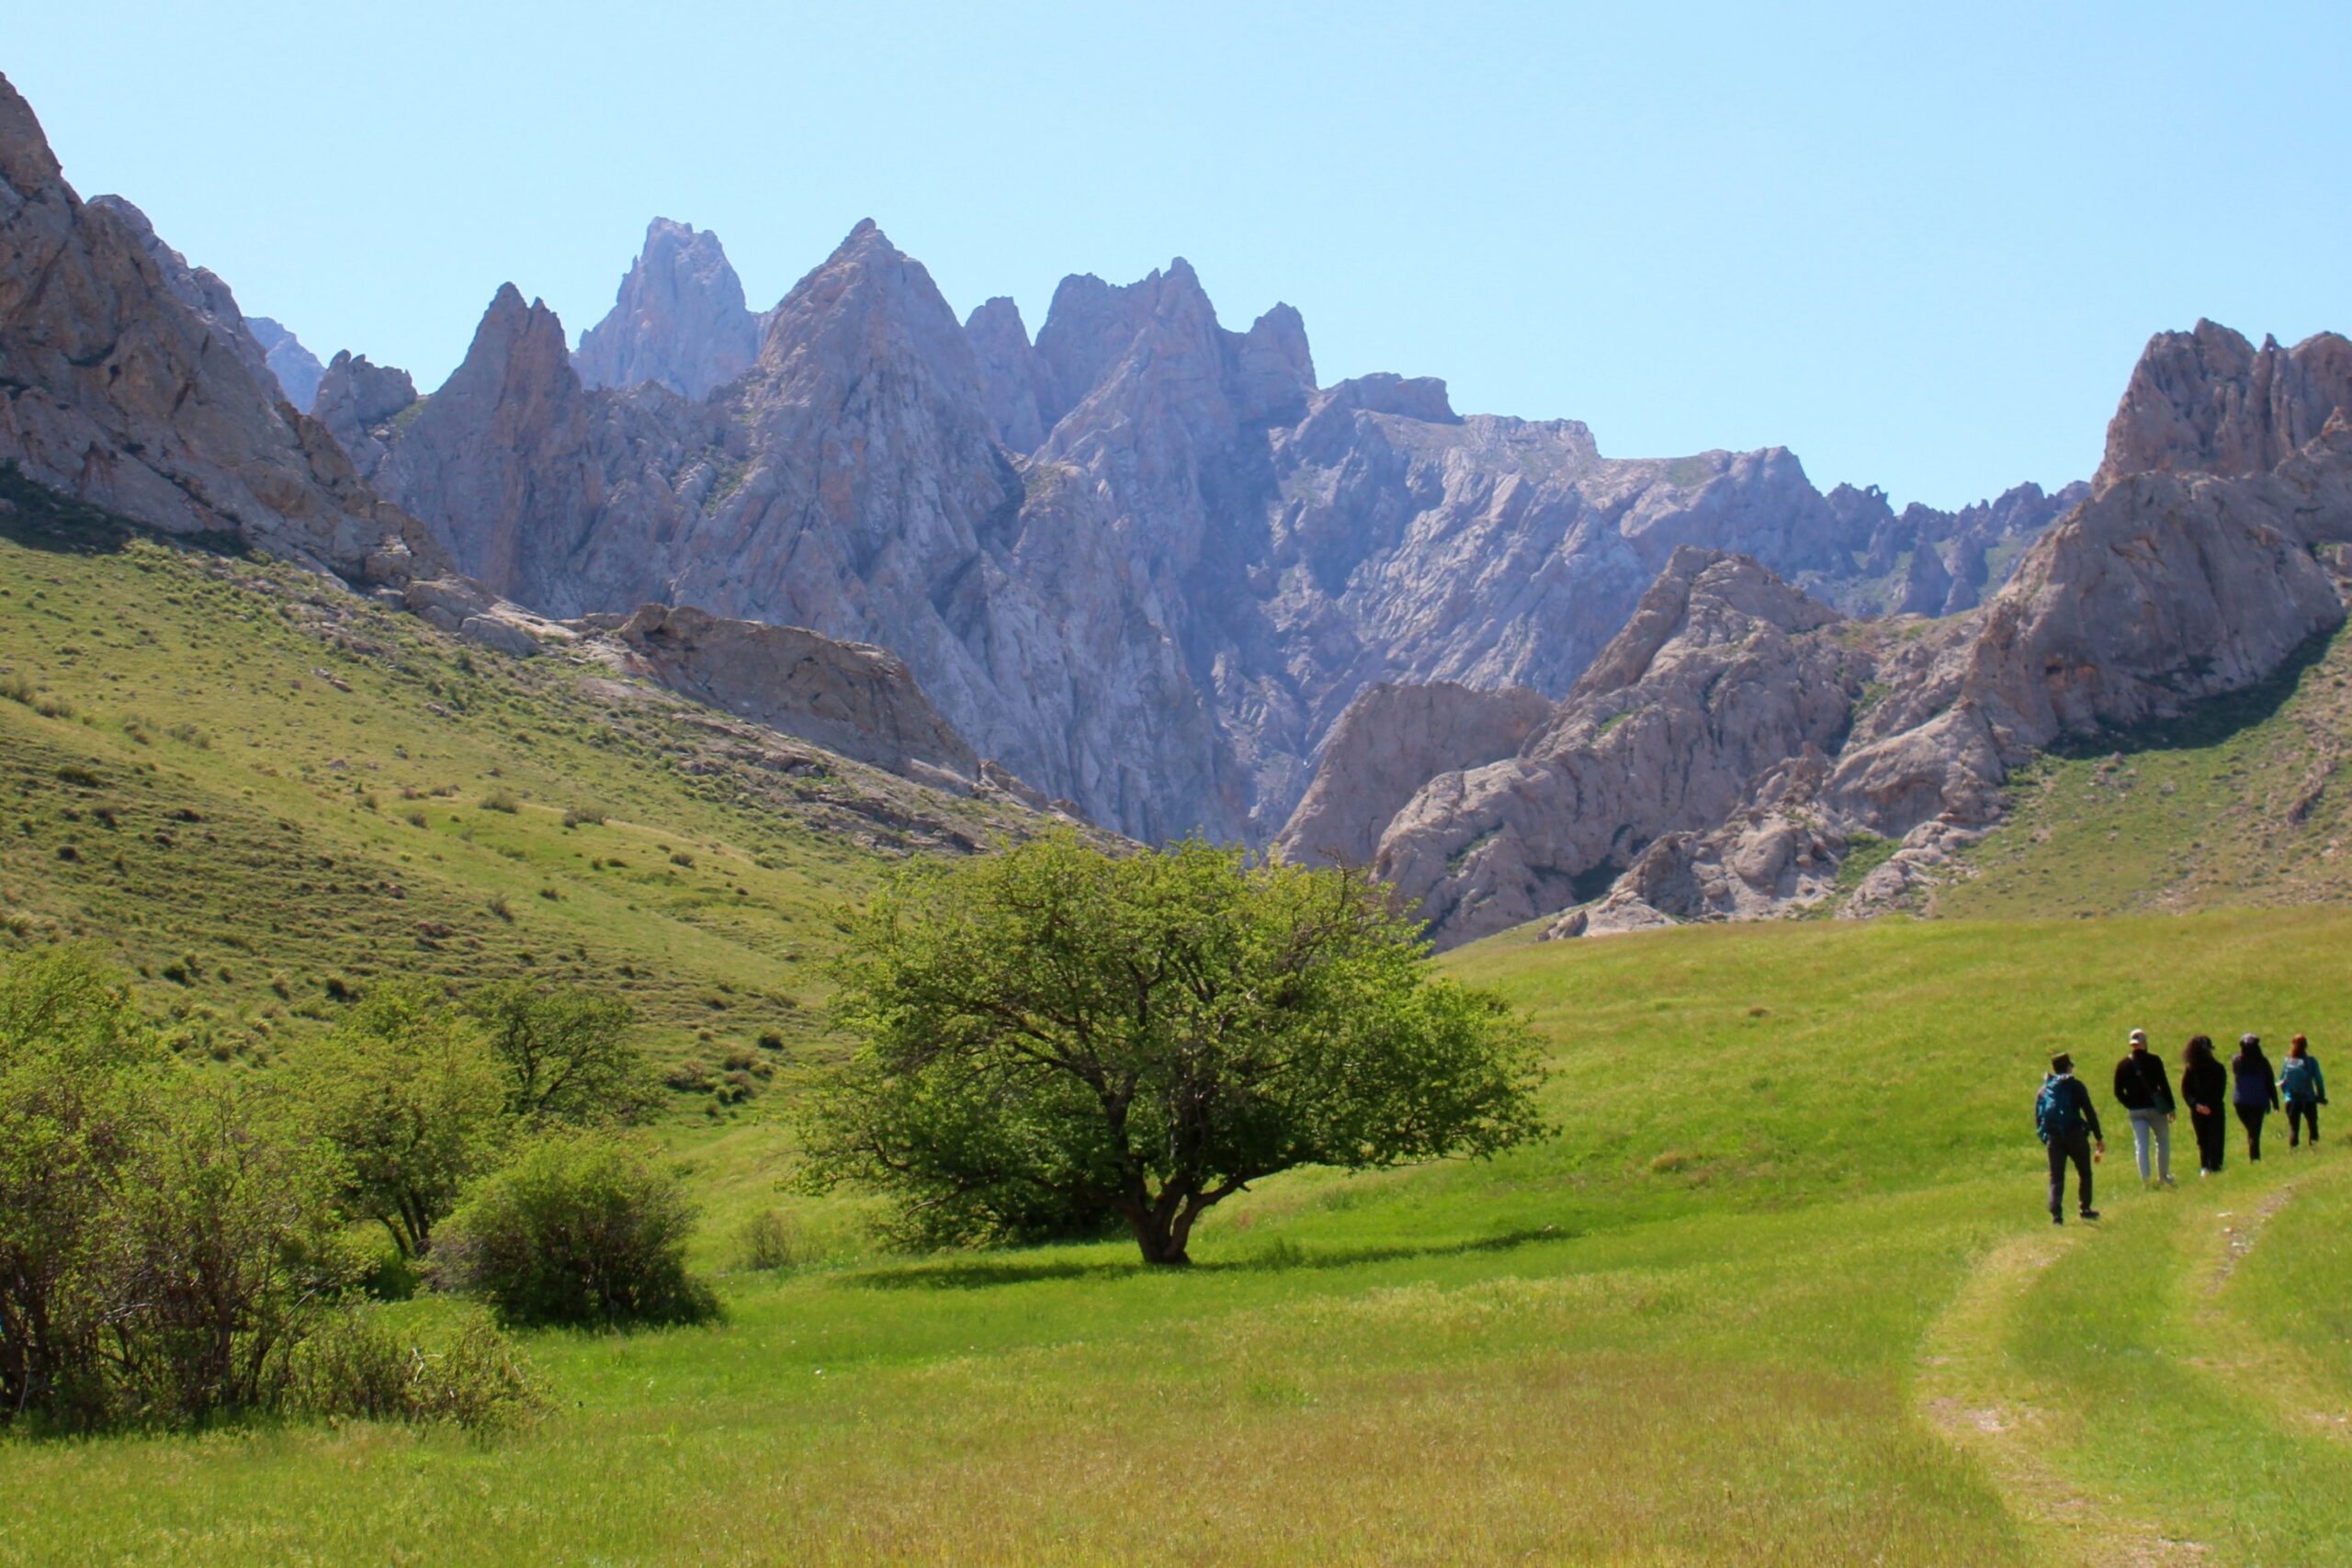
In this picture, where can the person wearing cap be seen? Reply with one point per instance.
(2255, 1090)
(2205, 1083)
(2304, 1090)
(2146, 1090)
(2068, 1125)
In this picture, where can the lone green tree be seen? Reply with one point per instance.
(409, 1095)
(1054, 1034)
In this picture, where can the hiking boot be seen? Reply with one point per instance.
(2057, 1219)
(2090, 1213)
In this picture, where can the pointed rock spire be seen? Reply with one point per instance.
(679, 319)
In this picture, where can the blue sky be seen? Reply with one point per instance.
(1921, 246)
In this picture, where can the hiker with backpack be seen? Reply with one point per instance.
(2304, 1090)
(2068, 1124)
(2146, 1090)
(2255, 1090)
(2205, 1084)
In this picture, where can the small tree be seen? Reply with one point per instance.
(408, 1096)
(75, 1069)
(567, 1054)
(583, 1228)
(1057, 1033)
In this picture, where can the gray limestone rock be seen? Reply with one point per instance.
(298, 370)
(116, 390)
(679, 319)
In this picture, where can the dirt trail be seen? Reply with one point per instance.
(1967, 1393)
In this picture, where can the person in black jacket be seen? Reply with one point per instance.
(2068, 1122)
(2255, 1090)
(2205, 1084)
(2146, 1090)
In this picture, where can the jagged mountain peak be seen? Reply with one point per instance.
(679, 317)
(2208, 400)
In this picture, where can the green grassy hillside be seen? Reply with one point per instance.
(1780, 1292)
(2243, 803)
(260, 791)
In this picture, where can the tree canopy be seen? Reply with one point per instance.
(1053, 1036)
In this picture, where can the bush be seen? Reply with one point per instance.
(360, 1365)
(165, 1242)
(501, 800)
(771, 1239)
(581, 1228)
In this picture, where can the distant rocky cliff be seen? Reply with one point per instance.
(1145, 559)
(1721, 758)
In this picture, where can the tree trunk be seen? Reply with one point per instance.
(1160, 1237)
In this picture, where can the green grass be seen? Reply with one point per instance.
(1747, 1307)
(258, 793)
(2243, 803)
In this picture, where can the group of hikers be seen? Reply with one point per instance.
(2068, 1121)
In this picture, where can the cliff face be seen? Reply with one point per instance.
(1144, 560)
(119, 392)
(1719, 757)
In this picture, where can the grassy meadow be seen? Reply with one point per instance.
(1781, 1290)
(257, 792)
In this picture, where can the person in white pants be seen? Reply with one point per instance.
(2145, 1089)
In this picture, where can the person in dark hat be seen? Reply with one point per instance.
(2068, 1125)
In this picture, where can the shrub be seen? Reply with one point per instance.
(165, 1242)
(583, 1228)
(579, 815)
(771, 1239)
(501, 800)
(359, 1364)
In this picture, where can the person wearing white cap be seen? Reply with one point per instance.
(2145, 1089)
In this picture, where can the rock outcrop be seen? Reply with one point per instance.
(298, 370)
(119, 393)
(1716, 680)
(679, 319)
(2166, 587)
(1144, 560)
(358, 400)
(853, 698)
(200, 289)
(1392, 741)
(2207, 400)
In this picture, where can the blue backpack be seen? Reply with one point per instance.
(2057, 1113)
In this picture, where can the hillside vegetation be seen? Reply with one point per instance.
(2242, 802)
(261, 792)
(1780, 1292)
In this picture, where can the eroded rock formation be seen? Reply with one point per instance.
(120, 393)
(2167, 586)
(679, 319)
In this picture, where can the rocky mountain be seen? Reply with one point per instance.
(122, 393)
(680, 319)
(2209, 400)
(1728, 751)
(298, 370)
(1145, 559)
(357, 400)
